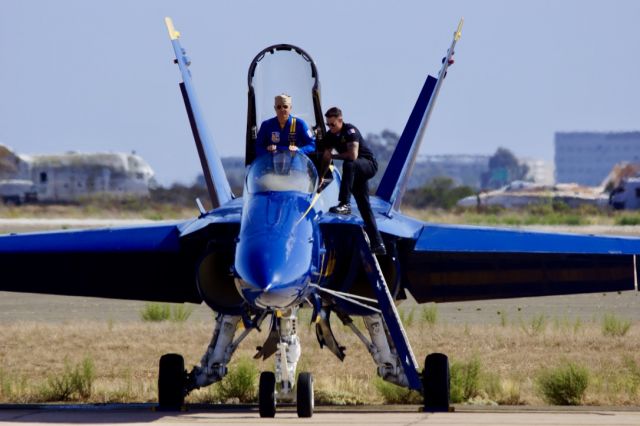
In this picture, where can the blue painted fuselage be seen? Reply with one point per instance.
(279, 244)
(277, 251)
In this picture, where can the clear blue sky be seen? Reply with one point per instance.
(98, 75)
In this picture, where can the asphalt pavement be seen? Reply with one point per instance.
(143, 413)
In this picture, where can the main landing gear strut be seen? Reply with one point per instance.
(390, 347)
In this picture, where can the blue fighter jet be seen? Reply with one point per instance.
(257, 260)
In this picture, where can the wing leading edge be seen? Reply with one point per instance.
(453, 263)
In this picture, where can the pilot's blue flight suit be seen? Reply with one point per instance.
(295, 132)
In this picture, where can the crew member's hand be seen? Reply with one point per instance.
(293, 148)
(271, 148)
(320, 183)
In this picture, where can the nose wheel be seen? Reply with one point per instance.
(267, 394)
(304, 403)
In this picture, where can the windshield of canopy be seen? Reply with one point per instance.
(283, 171)
(284, 71)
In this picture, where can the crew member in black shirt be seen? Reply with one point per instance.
(359, 165)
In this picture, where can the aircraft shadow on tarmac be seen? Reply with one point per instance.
(116, 413)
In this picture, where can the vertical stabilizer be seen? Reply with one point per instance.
(217, 183)
(396, 177)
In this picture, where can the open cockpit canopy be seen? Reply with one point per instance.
(278, 69)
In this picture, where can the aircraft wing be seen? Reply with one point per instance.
(450, 263)
(140, 263)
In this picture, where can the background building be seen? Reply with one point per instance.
(69, 176)
(463, 169)
(587, 158)
(539, 171)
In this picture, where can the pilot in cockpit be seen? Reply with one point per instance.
(284, 131)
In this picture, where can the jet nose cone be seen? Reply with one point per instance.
(266, 289)
(260, 269)
(267, 280)
(274, 261)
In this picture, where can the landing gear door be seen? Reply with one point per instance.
(282, 68)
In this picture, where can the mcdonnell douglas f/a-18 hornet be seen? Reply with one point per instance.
(256, 260)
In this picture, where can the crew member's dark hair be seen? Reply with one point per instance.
(333, 112)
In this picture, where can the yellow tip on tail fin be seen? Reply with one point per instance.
(173, 34)
(458, 32)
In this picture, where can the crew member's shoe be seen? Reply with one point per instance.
(342, 208)
(379, 249)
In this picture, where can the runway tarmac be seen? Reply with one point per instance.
(143, 413)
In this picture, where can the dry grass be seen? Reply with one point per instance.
(531, 216)
(125, 356)
(100, 207)
(105, 209)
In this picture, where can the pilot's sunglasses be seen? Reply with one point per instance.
(332, 124)
(282, 106)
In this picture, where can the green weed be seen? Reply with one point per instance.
(337, 397)
(627, 220)
(465, 380)
(430, 314)
(347, 391)
(563, 385)
(614, 326)
(577, 325)
(17, 389)
(181, 312)
(155, 312)
(537, 326)
(240, 382)
(501, 391)
(5, 384)
(75, 382)
(510, 393)
(632, 374)
(406, 316)
(503, 318)
(393, 394)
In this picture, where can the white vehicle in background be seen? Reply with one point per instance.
(17, 191)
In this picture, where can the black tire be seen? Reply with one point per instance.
(171, 382)
(267, 394)
(305, 404)
(436, 382)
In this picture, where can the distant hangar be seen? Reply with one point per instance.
(72, 175)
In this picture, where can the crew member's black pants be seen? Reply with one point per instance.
(355, 175)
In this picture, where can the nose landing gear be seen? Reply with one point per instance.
(267, 394)
(280, 385)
